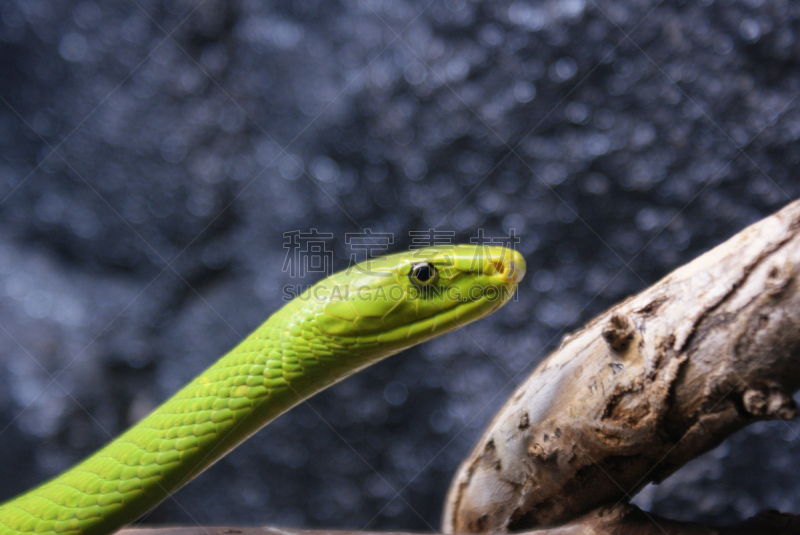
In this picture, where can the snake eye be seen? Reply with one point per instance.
(423, 274)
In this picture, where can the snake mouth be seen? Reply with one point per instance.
(469, 309)
(442, 322)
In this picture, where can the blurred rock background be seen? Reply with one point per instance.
(153, 153)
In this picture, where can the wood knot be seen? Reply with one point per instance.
(536, 450)
(524, 421)
(769, 402)
(778, 278)
(618, 334)
(478, 525)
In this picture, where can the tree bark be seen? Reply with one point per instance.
(645, 387)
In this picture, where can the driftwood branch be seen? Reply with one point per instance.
(642, 389)
(645, 387)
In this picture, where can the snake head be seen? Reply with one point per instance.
(396, 301)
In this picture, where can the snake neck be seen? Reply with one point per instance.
(275, 368)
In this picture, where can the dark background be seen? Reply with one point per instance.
(152, 154)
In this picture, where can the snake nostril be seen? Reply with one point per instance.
(499, 267)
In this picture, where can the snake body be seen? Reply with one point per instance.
(335, 328)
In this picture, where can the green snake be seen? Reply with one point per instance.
(333, 329)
